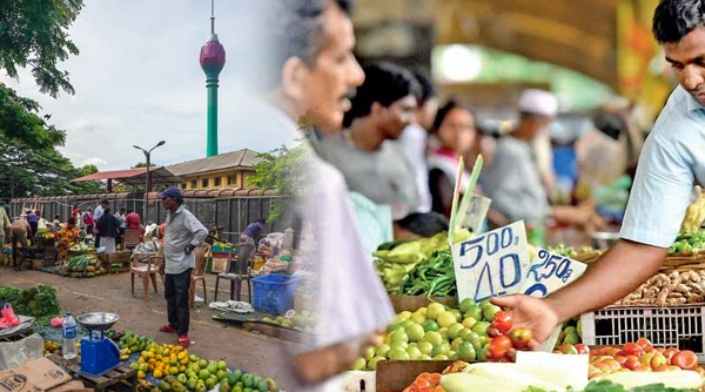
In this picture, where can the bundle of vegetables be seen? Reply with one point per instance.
(38, 301)
(693, 242)
(394, 260)
(84, 266)
(433, 277)
(9, 294)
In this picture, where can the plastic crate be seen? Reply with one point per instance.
(676, 326)
(274, 293)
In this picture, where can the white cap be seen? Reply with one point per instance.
(539, 102)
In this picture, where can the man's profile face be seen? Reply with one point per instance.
(687, 59)
(335, 73)
(397, 116)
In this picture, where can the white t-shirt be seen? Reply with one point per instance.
(414, 143)
(671, 163)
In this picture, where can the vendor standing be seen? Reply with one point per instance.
(182, 235)
(20, 230)
(671, 163)
(108, 228)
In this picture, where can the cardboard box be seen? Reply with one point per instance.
(71, 386)
(33, 376)
(414, 302)
(394, 376)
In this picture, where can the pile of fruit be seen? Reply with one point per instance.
(51, 347)
(435, 332)
(641, 356)
(178, 371)
(84, 266)
(305, 321)
(571, 333)
(130, 343)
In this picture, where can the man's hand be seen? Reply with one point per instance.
(532, 313)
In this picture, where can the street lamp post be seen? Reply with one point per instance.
(146, 185)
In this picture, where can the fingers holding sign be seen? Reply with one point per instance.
(529, 313)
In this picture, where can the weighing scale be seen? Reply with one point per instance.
(99, 354)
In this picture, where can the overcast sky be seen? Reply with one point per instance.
(138, 81)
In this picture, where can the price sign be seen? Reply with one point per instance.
(492, 264)
(549, 272)
(479, 206)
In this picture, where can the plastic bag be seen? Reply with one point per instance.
(9, 315)
(13, 354)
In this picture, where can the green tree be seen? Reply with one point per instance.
(35, 34)
(285, 171)
(144, 164)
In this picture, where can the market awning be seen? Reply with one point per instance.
(158, 176)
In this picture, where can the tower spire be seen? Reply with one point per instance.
(212, 60)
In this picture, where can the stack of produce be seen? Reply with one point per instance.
(688, 245)
(669, 288)
(305, 321)
(435, 332)
(432, 277)
(178, 371)
(571, 333)
(38, 301)
(394, 260)
(84, 266)
(130, 343)
(641, 356)
(505, 377)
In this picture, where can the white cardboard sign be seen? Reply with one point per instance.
(549, 272)
(479, 207)
(493, 264)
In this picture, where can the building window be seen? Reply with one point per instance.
(216, 181)
(204, 183)
(230, 180)
(194, 184)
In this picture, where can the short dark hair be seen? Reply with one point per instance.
(609, 123)
(426, 89)
(443, 111)
(71, 221)
(285, 29)
(260, 220)
(104, 201)
(425, 224)
(385, 83)
(674, 19)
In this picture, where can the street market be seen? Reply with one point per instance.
(396, 196)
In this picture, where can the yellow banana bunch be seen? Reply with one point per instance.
(694, 216)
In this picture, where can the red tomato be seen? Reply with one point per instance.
(520, 337)
(645, 345)
(499, 346)
(502, 321)
(685, 359)
(669, 353)
(631, 363)
(582, 349)
(632, 349)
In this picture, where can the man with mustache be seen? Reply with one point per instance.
(304, 72)
(672, 161)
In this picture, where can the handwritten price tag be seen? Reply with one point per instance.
(549, 272)
(492, 264)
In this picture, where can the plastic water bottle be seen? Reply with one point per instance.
(68, 342)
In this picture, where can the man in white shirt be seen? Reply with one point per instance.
(414, 139)
(309, 75)
(96, 215)
(671, 162)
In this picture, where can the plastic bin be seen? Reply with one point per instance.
(675, 326)
(274, 293)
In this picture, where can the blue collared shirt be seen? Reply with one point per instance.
(671, 163)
